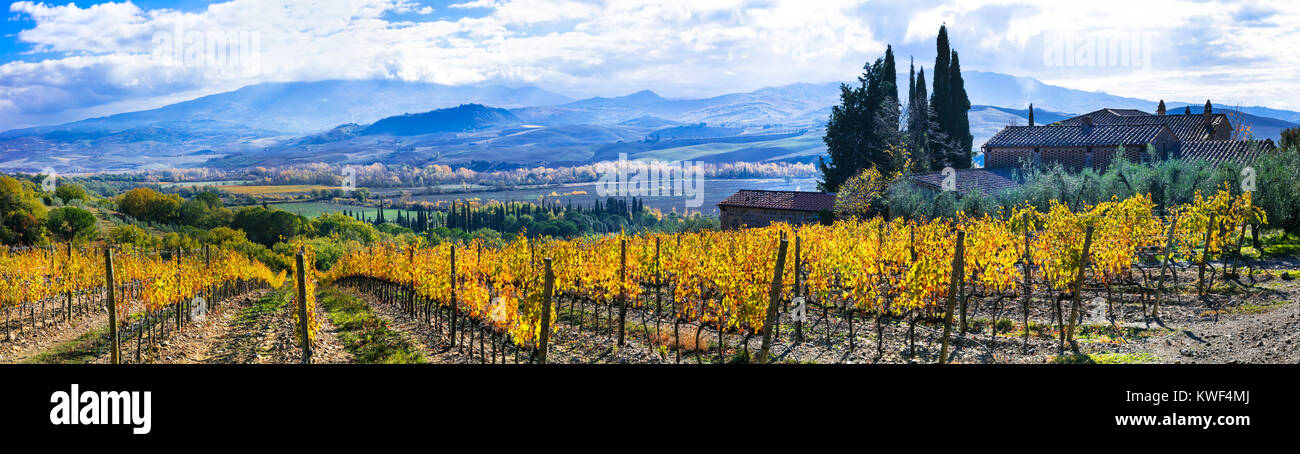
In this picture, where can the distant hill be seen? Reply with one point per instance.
(308, 107)
(365, 122)
(796, 105)
(463, 118)
(997, 89)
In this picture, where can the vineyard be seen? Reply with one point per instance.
(786, 281)
(1026, 278)
(152, 293)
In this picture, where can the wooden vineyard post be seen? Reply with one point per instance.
(958, 263)
(545, 335)
(302, 308)
(774, 296)
(1029, 287)
(68, 269)
(1078, 285)
(1201, 290)
(1164, 265)
(622, 290)
(410, 296)
(658, 284)
(798, 324)
(452, 326)
(115, 353)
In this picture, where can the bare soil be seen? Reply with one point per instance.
(1255, 319)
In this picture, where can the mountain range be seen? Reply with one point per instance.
(419, 123)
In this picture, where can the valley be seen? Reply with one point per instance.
(390, 122)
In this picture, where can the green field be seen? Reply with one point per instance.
(313, 209)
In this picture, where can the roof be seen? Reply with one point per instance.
(988, 181)
(781, 200)
(1219, 151)
(1075, 136)
(1125, 112)
(1103, 116)
(1186, 127)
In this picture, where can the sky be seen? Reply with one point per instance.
(66, 61)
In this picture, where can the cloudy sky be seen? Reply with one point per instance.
(66, 61)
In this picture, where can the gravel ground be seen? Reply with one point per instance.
(24, 346)
(1252, 322)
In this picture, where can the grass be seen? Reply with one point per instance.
(1248, 308)
(1273, 245)
(84, 349)
(314, 209)
(367, 337)
(1105, 358)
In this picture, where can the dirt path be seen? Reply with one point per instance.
(1271, 335)
(248, 329)
(31, 346)
(261, 331)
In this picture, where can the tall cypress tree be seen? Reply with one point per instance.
(911, 86)
(950, 141)
(918, 123)
(959, 121)
(882, 113)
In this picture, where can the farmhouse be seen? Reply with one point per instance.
(1092, 141)
(759, 208)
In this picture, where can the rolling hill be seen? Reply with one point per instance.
(463, 118)
(401, 122)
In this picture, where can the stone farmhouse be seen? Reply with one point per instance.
(760, 208)
(1092, 141)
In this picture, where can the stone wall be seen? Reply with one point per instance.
(1072, 158)
(732, 217)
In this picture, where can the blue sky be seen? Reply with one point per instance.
(66, 61)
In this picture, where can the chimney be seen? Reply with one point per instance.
(1160, 109)
(1207, 117)
(1086, 122)
(1187, 110)
(1031, 114)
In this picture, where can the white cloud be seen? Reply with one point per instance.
(676, 47)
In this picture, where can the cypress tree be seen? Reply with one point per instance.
(959, 119)
(862, 127)
(951, 140)
(884, 114)
(918, 123)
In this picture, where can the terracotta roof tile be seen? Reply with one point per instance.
(1075, 136)
(781, 200)
(1186, 127)
(1218, 151)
